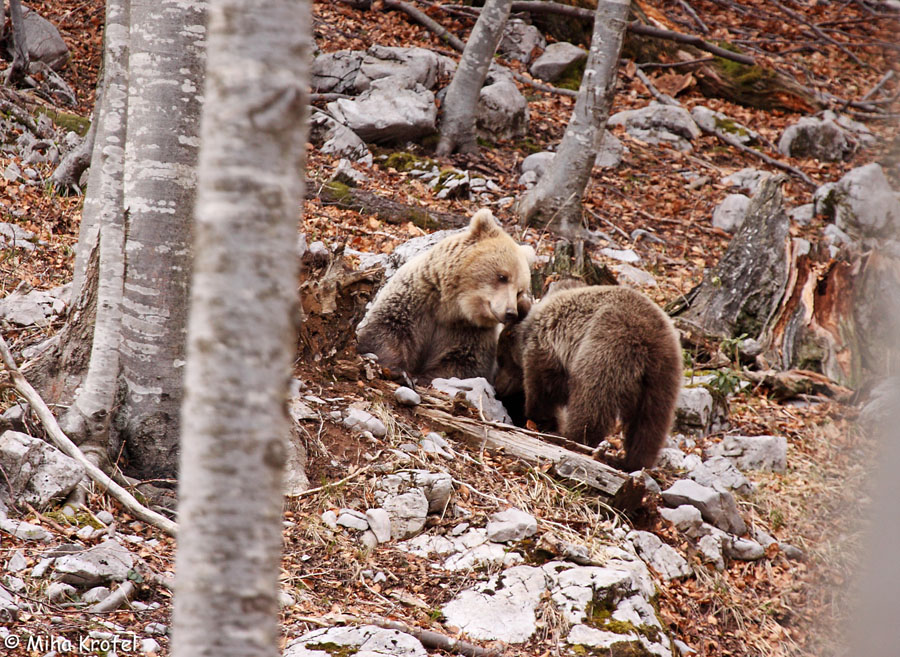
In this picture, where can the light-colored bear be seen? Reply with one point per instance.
(440, 314)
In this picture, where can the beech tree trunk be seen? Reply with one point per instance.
(458, 108)
(242, 336)
(557, 196)
(165, 67)
(103, 225)
(19, 66)
(137, 221)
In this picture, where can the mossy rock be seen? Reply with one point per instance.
(405, 161)
(65, 120)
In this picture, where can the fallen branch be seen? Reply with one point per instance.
(71, 449)
(421, 17)
(623, 492)
(724, 136)
(392, 212)
(794, 383)
(115, 599)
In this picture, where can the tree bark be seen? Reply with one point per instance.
(87, 420)
(19, 67)
(744, 290)
(556, 199)
(166, 68)
(241, 334)
(458, 108)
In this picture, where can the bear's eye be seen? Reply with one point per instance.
(503, 278)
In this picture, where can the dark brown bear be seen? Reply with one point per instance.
(439, 315)
(586, 356)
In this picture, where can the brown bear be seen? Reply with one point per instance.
(586, 356)
(440, 314)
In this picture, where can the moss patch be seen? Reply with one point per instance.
(332, 648)
(65, 120)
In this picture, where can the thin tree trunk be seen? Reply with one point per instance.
(241, 333)
(19, 67)
(557, 197)
(68, 172)
(87, 420)
(166, 66)
(458, 109)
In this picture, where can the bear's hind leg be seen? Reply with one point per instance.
(589, 416)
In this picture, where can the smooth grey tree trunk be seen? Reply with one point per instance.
(242, 336)
(18, 69)
(103, 227)
(556, 199)
(461, 101)
(166, 67)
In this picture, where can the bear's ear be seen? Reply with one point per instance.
(530, 255)
(483, 224)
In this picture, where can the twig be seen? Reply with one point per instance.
(544, 87)
(422, 18)
(114, 600)
(819, 33)
(693, 14)
(69, 448)
(874, 90)
(319, 489)
(725, 137)
(688, 62)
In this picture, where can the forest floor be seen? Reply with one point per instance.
(771, 607)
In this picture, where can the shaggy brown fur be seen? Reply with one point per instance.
(589, 355)
(438, 316)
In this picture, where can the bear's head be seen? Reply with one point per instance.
(494, 275)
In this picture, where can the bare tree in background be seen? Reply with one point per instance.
(18, 69)
(556, 199)
(242, 337)
(461, 101)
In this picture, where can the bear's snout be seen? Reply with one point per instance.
(511, 316)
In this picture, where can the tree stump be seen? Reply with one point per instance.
(570, 261)
(743, 291)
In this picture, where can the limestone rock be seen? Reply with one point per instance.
(44, 41)
(379, 521)
(555, 59)
(59, 591)
(407, 396)
(335, 72)
(659, 556)
(352, 519)
(716, 507)
(334, 138)
(477, 392)
(659, 124)
(632, 276)
(745, 179)
(407, 512)
(360, 420)
(388, 111)
(717, 472)
(537, 162)
(23, 530)
(36, 471)
(694, 410)
(502, 111)
(864, 203)
(421, 65)
(510, 525)
(520, 39)
(730, 213)
(367, 640)
(822, 139)
(107, 562)
(686, 518)
(36, 308)
(711, 121)
(768, 453)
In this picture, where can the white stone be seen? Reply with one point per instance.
(407, 396)
(388, 111)
(717, 472)
(555, 59)
(710, 549)
(767, 453)
(511, 525)
(380, 523)
(622, 255)
(408, 512)
(520, 39)
(686, 518)
(59, 591)
(105, 517)
(746, 179)
(694, 409)
(24, 530)
(865, 203)
(659, 124)
(744, 549)
(360, 420)
(95, 594)
(16, 562)
(363, 640)
(822, 139)
(716, 507)
(713, 121)
(108, 561)
(659, 556)
(330, 519)
(502, 111)
(478, 392)
(730, 213)
(352, 519)
(537, 162)
(634, 276)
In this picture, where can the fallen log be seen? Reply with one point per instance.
(621, 490)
